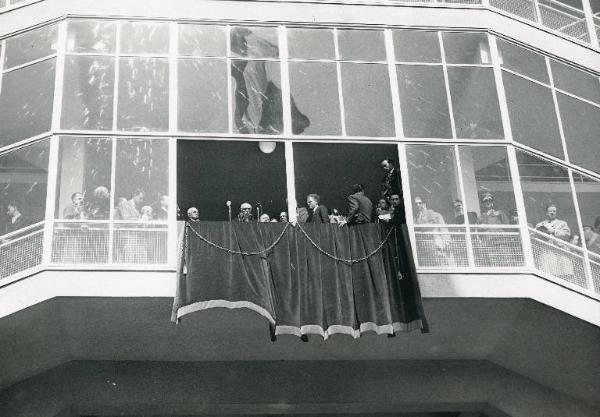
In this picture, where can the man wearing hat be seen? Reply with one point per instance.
(245, 215)
(488, 214)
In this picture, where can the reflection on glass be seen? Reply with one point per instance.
(257, 98)
(95, 36)
(144, 37)
(432, 174)
(26, 102)
(30, 46)
(588, 198)
(581, 125)
(361, 45)
(466, 48)
(142, 177)
(254, 42)
(83, 188)
(202, 40)
(488, 187)
(202, 98)
(367, 100)
(143, 94)
(574, 81)
(416, 46)
(88, 93)
(310, 43)
(423, 101)
(545, 183)
(475, 103)
(523, 61)
(315, 94)
(532, 116)
(23, 180)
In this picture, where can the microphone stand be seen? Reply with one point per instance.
(258, 206)
(229, 210)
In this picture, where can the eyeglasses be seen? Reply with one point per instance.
(487, 200)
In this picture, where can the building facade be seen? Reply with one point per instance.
(117, 117)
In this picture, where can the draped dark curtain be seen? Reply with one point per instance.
(304, 279)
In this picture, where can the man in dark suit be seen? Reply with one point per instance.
(360, 206)
(390, 183)
(317, 213)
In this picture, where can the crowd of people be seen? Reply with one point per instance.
(97, 207)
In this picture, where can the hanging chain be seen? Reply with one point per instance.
(347, 261)
(235, 252)
(315, 244)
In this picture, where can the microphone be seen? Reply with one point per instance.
(257, 204)
(228, 203)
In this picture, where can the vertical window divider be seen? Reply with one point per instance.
(463, 197)
(172, 237)
(53, 156)
(285, 81)
(586, 258)
(500, 88)
(290, 181)
(538, 14)
(59, 74)
(391, 64)
(557, 110)
(116, 80)
(589, 21)
(2, 57)
(447, 84)
(111, 215)
(338, 67)
(228, 62)
(520, 203)
(173, 75)
(410, 224)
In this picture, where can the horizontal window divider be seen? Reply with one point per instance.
(533, 80)
(577, 169)
(30, 63)
(26, 273)
(25, 142)
(109, 267)
(24, 229)
(561, 5)
(476, 270)
(18, 239)
(202, 57)
(134, 55)
(470, 65)
(590, 293)
(11, 7)
(585, 100)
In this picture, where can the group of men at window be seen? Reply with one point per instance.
(361, 209)
(97, 207)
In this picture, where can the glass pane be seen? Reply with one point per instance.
(262, 184)
(367, 100)
(23, 183)
(91, 36)
(83, 188)
(532, 116)
(311, 43)
(26, 102)
(423, 101)
(475, 103)
(202, 99)
(88, 93)
(545, 183)
(254, 42)
(523, 61)
(588, 198)
(202, 40)
(574, 81)
(2, 3)
(256, 97)
(488, 186)
(144, 37)
(581, 125)
(416, 46)
(361, 45)
(315, 96)
(432, 173)
(322, 169)
(143, 94)
(466, 48)
(141, 178)
(30, 46)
